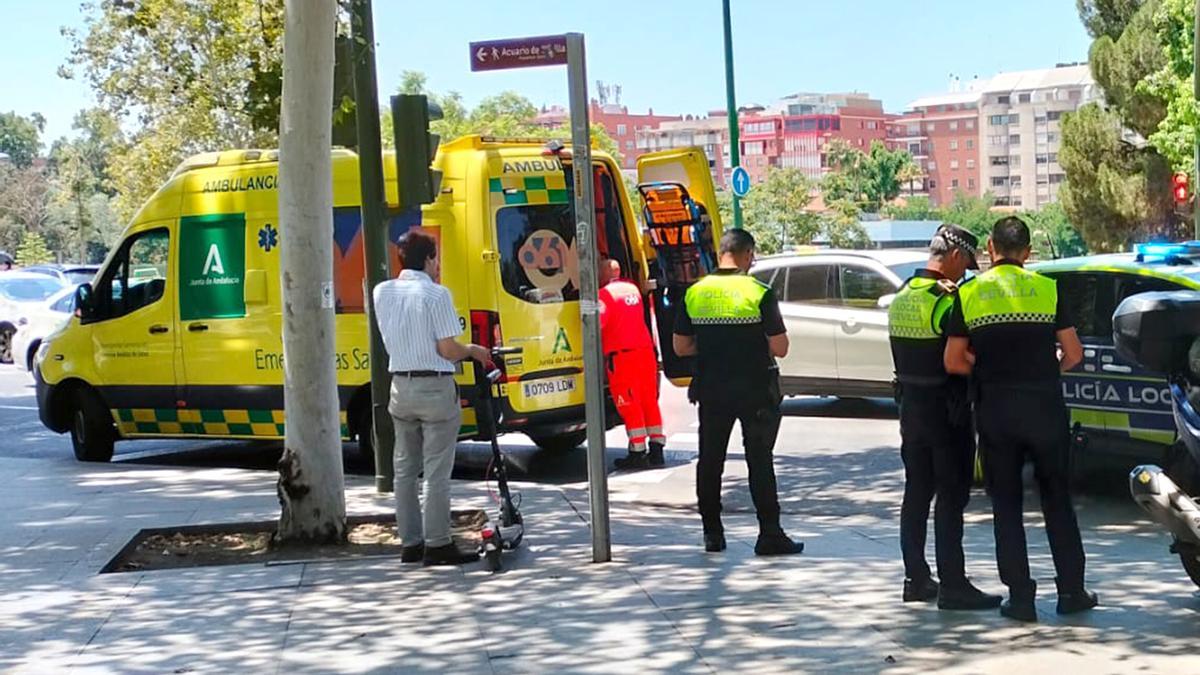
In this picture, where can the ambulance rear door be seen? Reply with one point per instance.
(671, 250)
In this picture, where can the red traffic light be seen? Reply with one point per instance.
(1179, 187)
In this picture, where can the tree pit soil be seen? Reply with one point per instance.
(250, 542)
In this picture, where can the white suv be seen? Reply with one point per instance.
(834, 304)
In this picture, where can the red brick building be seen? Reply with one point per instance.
(942, 134)
(793, 133)
(622, 125)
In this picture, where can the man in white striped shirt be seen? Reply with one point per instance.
(419, 326)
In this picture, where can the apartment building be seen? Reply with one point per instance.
(941, 133)
(1021, 131)
(710, 133)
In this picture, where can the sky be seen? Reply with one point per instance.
(665, 54)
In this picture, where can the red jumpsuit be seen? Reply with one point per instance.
(632, 363)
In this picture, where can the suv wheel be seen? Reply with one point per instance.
(561, 443)
(92, 433)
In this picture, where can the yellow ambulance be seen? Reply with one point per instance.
(180, 334)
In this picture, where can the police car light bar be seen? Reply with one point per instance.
(1172, 254)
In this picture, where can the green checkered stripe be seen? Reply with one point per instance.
(204, 422)
(1010, 317)
(528, 190)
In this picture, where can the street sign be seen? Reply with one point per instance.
(740, 181)
(527, 52)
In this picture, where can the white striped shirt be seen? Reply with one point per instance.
(413, 314)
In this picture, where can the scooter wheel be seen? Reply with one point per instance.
(492, 559)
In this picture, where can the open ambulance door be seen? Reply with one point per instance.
(682, 230)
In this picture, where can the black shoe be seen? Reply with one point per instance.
(777, 544)
(920, 590)
(714, 542)
(966, 597)
(448, 555)
(1020, 605)
(412, 554)
(656, 455)
(1075, 600)
(635, 461)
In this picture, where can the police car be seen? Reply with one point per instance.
(1116, 407)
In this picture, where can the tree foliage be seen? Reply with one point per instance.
(1107, 17)
(33, 250)
(20, 137)
(775, 211)
(1175, 136)
(868, 179)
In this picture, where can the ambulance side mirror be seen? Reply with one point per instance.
(885, 301)
(85, 306)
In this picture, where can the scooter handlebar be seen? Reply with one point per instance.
(507, 351)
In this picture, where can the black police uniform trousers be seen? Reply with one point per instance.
(938, 449)
(1016, 423)
(760, 418)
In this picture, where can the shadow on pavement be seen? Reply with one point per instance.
(845, 408)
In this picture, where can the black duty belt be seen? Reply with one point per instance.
(421, 373)
(922, 380)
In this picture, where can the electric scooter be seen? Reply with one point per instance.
(508, 529)
(1161, 331)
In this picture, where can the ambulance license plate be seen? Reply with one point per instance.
(549, 387)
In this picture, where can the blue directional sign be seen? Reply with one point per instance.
(741, 181)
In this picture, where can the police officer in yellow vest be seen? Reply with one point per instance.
(937, 436)
(1006, 330)
(732, 325)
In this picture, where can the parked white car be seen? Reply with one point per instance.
(19, 293)
(834, 304)
(38, 321)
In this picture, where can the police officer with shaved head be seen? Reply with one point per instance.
(937, 436)
(1011, 332)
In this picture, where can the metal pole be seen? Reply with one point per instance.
(735, 155)
(589, 305)
(375, 237)
(1196, 132)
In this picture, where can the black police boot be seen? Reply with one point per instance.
(656, 455)
(920, 590)
(1020, 605)
(634, 461)
(1075, 600)
(965, 597)
(714, 542)
(777, 544)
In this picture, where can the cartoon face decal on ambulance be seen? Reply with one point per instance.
(549, 262)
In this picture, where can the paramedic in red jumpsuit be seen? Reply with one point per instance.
(632, 366)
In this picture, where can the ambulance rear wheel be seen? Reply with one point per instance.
(562, 442)
(92, 433)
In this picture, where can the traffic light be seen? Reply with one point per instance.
(1179, 188)
(419, 182)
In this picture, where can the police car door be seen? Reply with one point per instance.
(1091, 389)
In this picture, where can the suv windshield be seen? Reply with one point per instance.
(29, 290)
(906, 270)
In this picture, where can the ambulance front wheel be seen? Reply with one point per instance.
(562, 442)
(92, 433)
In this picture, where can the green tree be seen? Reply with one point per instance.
(1176, 134)
(970, 212)
(914, 208)
(1053, 234)
(1107, 17)
(189, 76)
(33, 250)
(20, 137)
(843, 227)
(871, 179)
(775, 211)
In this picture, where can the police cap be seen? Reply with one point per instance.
(960, 238)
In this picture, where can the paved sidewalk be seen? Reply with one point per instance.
(662, 606)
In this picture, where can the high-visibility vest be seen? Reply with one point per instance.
(725, 299)
(1008, 294)
(918, 309)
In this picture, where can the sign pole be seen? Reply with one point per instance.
(375, 242)
(731, 109)
(589, 305)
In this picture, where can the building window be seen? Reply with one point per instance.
(998, 120)
(1042, 159)
(997, 141)
(932, 184)
(1051, 138)
(999, 160)
(970, 124)
(1014, 139)
(954, 126)
(872, 125)
(970, 164)
(954, 164)
(1015, 161)
(837, 124)
(1016, 201)
(1054, 115)
(1056, 178)
(1004, 100)
(930, 127)
(913, 129)
(970, 183)
(628, 145)
(914, 149)
(1014, 119)
(953, 144)
(932, 165)
(970, 143)
(1053, 158)
(954, 183)
(999, 181)
(1023, 98)
(621, 129)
